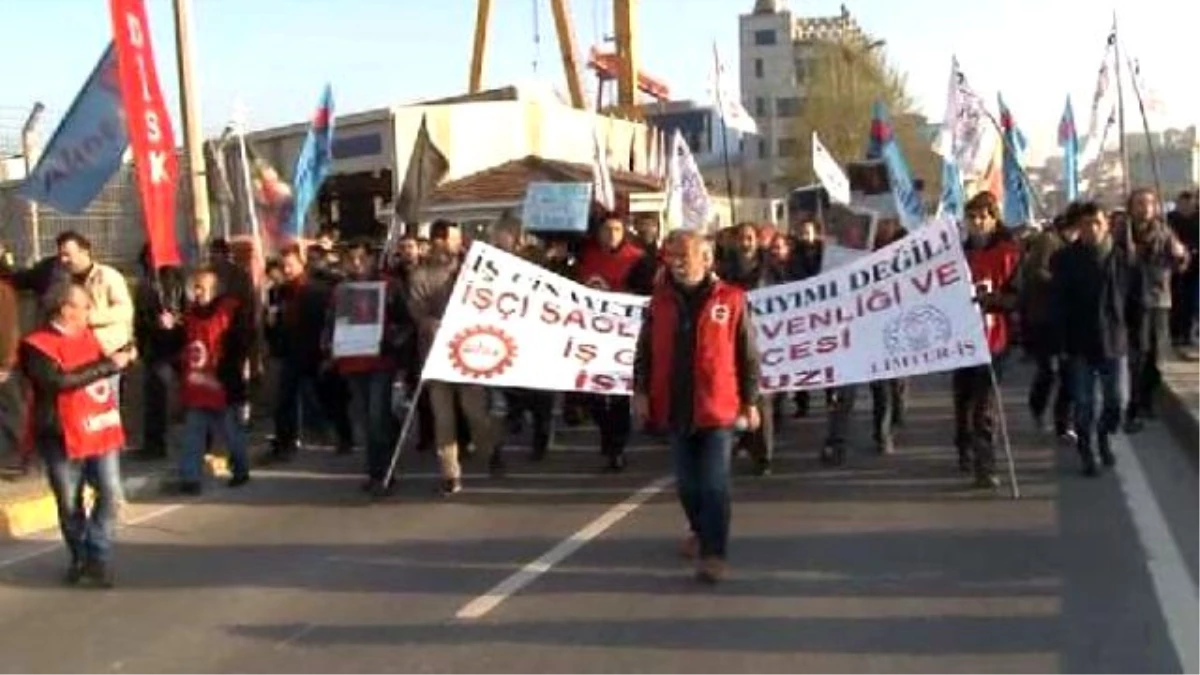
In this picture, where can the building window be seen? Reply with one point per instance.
(764, 38)
(762, 148)
(762, 190)
(760, 107)
(801, 70)
(787, 107)
(788, 147)
(758, 68)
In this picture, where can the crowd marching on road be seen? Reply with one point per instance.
(1095, 300)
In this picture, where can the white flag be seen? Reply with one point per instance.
(727, 101)
(687, 198)
(602, 185)
(829, 173)
(966, 131)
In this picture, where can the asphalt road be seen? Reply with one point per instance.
(889, 564)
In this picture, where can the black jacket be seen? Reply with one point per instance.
(297, 333)
(154, 296)
(47, 379)
(806, 259)
(1093, 297)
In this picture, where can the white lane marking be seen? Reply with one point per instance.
(479, 607)
(58, 546)
(1177, 594)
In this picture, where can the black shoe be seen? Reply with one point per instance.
(99, 573)
(451, 486)
(75, 573)
(369, 485)
(238, 480)
(615, 463)
(986, 480)
(283, 454)
(497, 467)
(190, 488)
(885, 447)
(345, 448)
(1107, 458)
(831, 456)
(382, 490)
(762, 468)
(1133, 425)
(537, 454)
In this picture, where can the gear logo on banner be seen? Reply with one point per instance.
(482, 352)
(919, 329)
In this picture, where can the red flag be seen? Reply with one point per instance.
(149, 125)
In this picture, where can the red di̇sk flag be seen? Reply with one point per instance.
(149, 127)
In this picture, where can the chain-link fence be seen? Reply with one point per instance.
(112, 222)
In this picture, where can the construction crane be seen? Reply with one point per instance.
(621, 65)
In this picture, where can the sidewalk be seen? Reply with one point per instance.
(1181, 405)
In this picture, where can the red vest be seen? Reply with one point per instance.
(203, 350)
(993, 268)
(90, 416)
(716, 402)
(607, 270)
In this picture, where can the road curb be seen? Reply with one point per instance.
(36, 511)
(1180, 420)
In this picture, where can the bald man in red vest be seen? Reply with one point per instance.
(76, 426)
(696, 375)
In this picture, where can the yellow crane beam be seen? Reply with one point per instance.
(566, 46)
(625, 23)
(482, 11)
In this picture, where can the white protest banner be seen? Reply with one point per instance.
(829, 173)
(902, 311)
(358, 318)
(510, 323)
(556, 207)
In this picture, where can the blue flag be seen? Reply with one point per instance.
(1068, 140)
(1018, 207)
(86, 148)
(952, 201)
(883, 146)
(313, 164)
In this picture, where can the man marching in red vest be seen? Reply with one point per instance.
(696, 376)
(214, 340)
(76, 426)
(993, 257)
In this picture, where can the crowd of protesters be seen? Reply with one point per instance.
(1096, 299)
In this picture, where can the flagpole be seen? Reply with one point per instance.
(1137, 92)
(1008, 147)
(724, 136)
(1120, 106)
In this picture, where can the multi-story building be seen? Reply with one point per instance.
(776, 56)
(701, 128)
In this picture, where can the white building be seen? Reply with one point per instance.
(775, 59)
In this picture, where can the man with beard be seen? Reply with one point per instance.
(429, 292)
(1159, 255)
(609, 261)
(746, 268)
(807, 253)
(1185, 223)
(1093, 288)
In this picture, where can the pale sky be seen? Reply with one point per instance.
(275, 55)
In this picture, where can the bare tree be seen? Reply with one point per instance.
(839, 84)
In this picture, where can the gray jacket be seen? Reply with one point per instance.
(1158, 255)
(429, 290)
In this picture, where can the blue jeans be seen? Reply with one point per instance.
(702, 481)
(88, 535)
(225, 426)
(1085, 375)
(370, 416)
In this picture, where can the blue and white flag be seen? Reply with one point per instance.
(1068, 140)
(316, 157)
(883, 146)
(1018, 203)
(952, 202)
(688, 205)
(86, 148)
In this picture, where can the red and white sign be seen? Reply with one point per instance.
(149, 127)
(901, 311)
